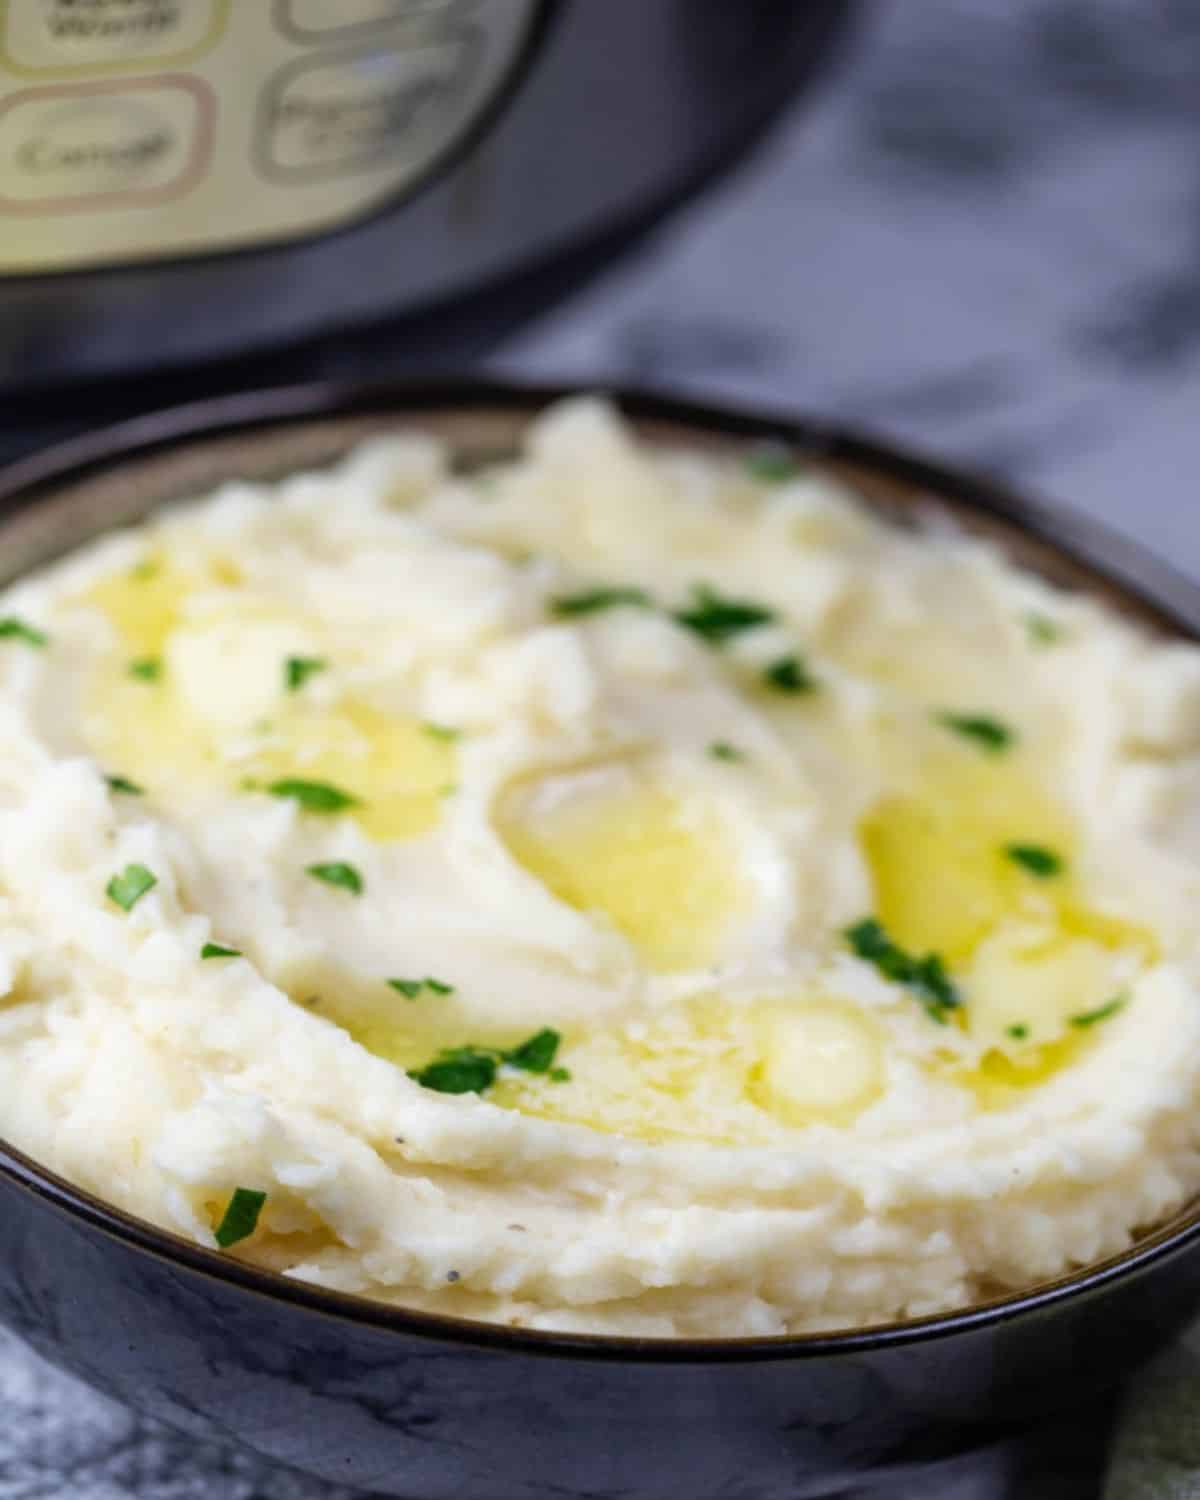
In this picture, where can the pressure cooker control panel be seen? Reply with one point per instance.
(135, 129)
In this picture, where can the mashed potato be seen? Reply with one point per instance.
(615, 890)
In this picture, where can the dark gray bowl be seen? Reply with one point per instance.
(413, 1404)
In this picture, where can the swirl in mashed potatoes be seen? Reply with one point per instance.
(617, 889)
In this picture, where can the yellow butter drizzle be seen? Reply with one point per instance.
(154, 733)
(706, 1069)
(665, 874)
(144, 603)
(1028, 952)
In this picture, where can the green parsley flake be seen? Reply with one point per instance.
(790, 674)
(1101, 1013)
(128, 888)
(459, 1070)
(411, 988)
(717, 619)
(772, 465)
(1042, 630)
(124, 785)
(926, 977)
(723, 750)
(1018, 1031)
(298, 669)
(146, 668)
(241, 1217)
(472, 1070)
(988, 733)
(442, 732)
(592, 601)
(215, 950)
(537, 1054)
(12, 629)
(313, 796)
(338, 873)
(141, 572)
(1038, 860)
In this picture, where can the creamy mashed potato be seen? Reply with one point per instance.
(616, 889)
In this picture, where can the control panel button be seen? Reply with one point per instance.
(327, 117)
(66, 36)
(318, 20)
(103, 146)
(266, 139)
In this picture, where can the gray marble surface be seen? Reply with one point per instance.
(980, 235)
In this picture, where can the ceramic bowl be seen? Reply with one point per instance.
(411, 1404)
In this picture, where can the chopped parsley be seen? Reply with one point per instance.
(411, 988)
(790, 674)
(148, 568)
(216, 950)
(472, 1070)
(605, 596)
(298, 669)
(459, 1070)
(537, 1054)
(313, 796)
(723, 750)
(338, 873)
(1037, 859)
(1018, 1031)
(128, 888)
(444, 732)
(988, 733)
(12, 629)
(124, 785)
(241, 1217)
(146, 668)
(560, 1075)
(1101, 1013)
(925, 976)
(717, 619)
(773, 465)
(1042, 630)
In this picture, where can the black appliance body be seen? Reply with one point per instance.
(197, 195)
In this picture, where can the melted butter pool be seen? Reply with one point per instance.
(143, 604)
(663, 872)
(708, 1069)
(216, 711)
(1028, 953)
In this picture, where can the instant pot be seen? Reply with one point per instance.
(192, 185)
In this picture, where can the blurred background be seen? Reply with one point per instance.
(974, 228)
(979, 233)
(972, 225)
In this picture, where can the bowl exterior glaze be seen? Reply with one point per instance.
(412, 1405)
(446, 1418)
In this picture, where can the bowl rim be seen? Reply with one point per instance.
(1112, 557)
